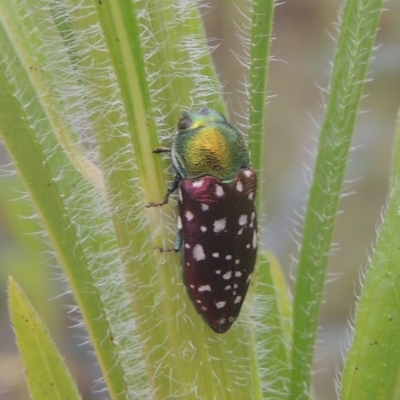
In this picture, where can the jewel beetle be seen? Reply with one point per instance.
(217, 223)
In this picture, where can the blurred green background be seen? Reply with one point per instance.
(302, 51)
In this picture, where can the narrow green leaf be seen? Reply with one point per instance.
(121, 32)
(35, 49)
(372, 368)
(273, 330)
(284, 300)
(21, 119)
(172, 30)
(357, 34)
(261, 39)
(46, 373)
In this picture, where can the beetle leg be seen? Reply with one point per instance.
(161, 150)
(172, 187)
(178, 241)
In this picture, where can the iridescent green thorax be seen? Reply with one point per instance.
(206, 144)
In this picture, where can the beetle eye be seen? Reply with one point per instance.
(184, 123)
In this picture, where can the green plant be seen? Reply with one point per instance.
(85, 88)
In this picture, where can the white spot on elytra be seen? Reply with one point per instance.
(227, 275)
(235, 286)
(180, 195)
(255, 239)
(187, 245)
(228, 287)
(251, 196)
(249, 278)
(198, 301)
(198, 183)
(218, 271)
(253, 214)
(237, 299)
(231, 319)
(222, 321)
(228, 257)
(243, 220)
(239, 186)
(203, 228)
(247, 246)
(248, 173)
(215, 255)
(237, 262)
(220, 304)
(204, 288)
(204, 308)
(191, 286)
(219, 225)
(189, 215)
(219, 190)
(179, 224)
(204, 207)
(198, 252)
(240, 231)
(238, 274)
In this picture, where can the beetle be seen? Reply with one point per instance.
(217, 223)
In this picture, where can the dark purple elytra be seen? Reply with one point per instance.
(219, 244)
(217, 225)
